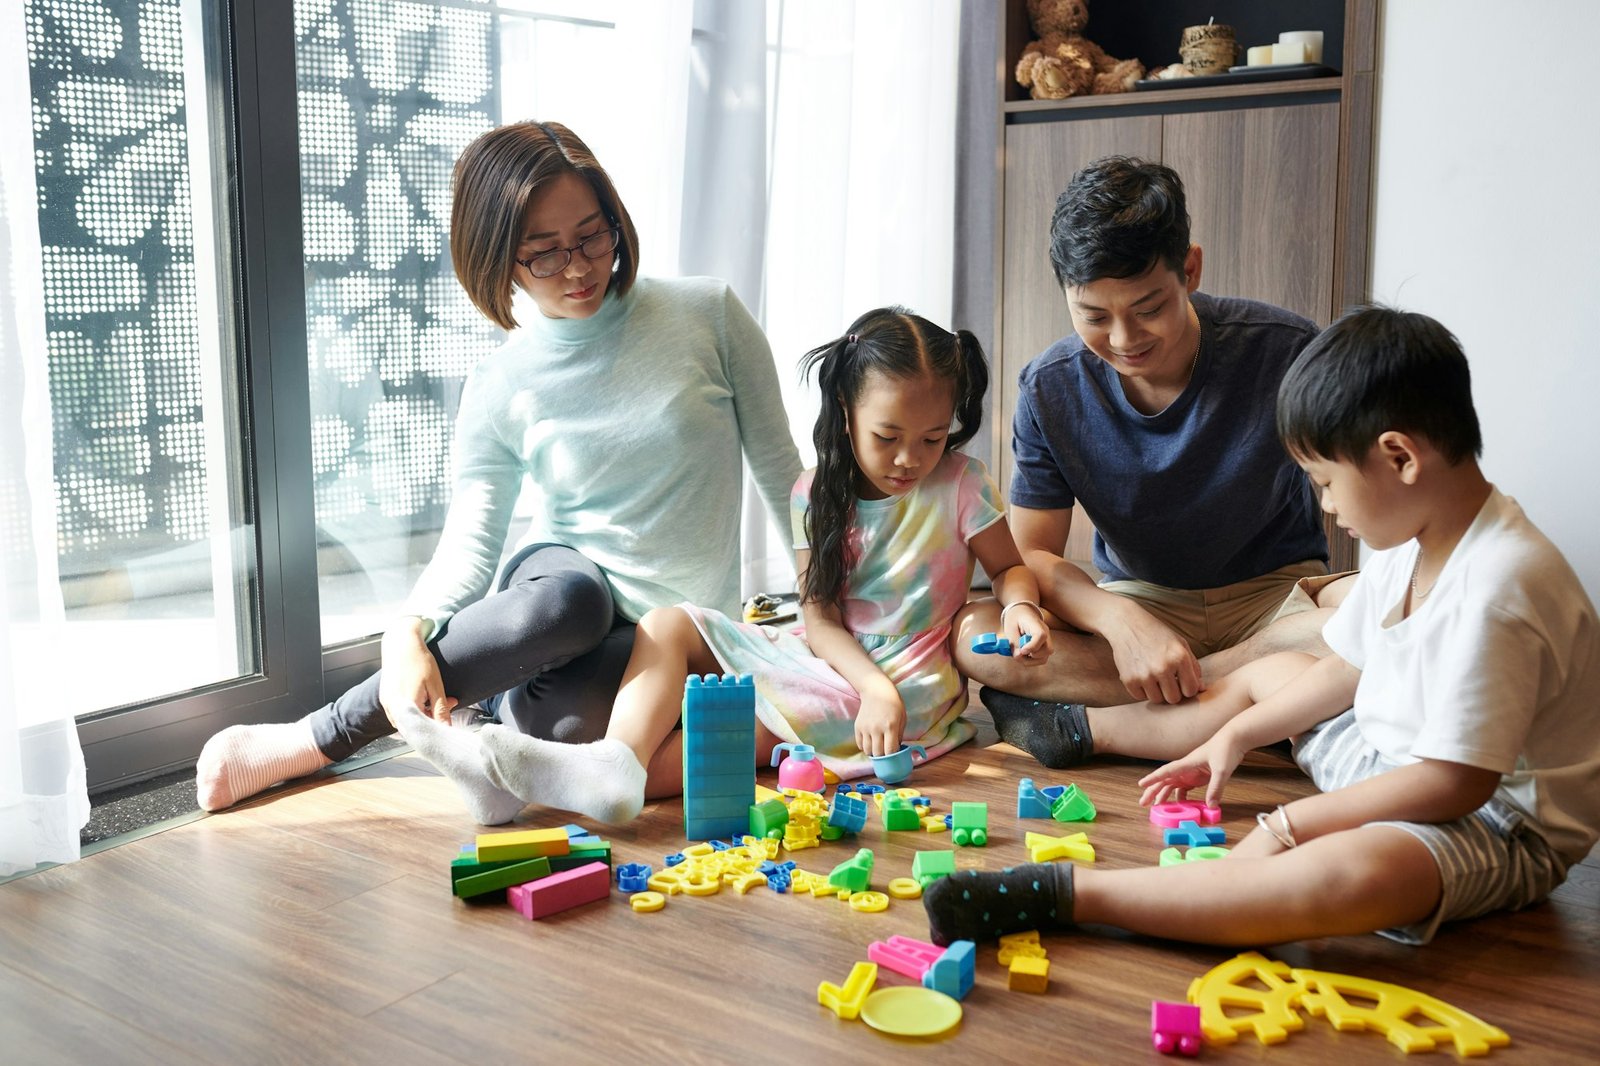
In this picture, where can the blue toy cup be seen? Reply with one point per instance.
(896, 767)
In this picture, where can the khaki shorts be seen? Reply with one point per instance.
(1214, 619)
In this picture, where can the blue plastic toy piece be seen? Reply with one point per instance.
(1194, 835)
(719, 755)
(848, 813)
(1031, 802)
(573, 829)
(633, 877)
(954, 972)
(921, 801)
(674, 859)
(995, 644)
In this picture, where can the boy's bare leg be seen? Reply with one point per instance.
(1355, 881)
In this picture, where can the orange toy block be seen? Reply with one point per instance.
(1029, 973)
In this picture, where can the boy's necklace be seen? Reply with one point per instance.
(1416, 593)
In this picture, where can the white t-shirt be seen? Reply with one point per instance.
(1499, 668)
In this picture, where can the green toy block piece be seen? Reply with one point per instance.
(467, 864)
(898, 814)
(1171, 856)
(969, 824)
(514, 873)
(768, 818)
(600, 852)
(928, 866)
(854, 874)
(830, 832)
(1072, 806)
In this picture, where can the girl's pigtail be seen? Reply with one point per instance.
(973, 384)
(833, 485)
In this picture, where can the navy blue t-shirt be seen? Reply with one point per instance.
(1197, 496)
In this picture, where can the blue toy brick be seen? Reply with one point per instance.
(1194, 835)
(954, 972)
(1030, 801)
(633, 877)
(674, 859)
(848, 813)
(718, 755)
(1051, 793)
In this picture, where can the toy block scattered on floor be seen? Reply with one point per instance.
(768, 818)
(1193, 835)
(955, 971)
(1072, 806)
(1175, 813)
(846, 1002)
(1225, 993)
(1045, 848)
(904, 955)
(1401, 1014)
(969, 823)
(1172, 856)
(1175, 1027)
(1030, 801)
(719, 752)
(1028, 973)
(633, 877)
(600, 852)
(523, 844)
(562, 891)
(498, 876)
(899, 815)
(928, 866)
(854, 873)
(1017, 945)
(848, 813)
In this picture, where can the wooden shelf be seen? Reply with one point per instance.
(1166, 99)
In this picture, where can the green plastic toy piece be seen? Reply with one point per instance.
(768, 818)
(854, 874)
(969, 824)
(928, 866)
(898, 814)
(1072, 806)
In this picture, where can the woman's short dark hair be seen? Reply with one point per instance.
(1378, 369)
(495, 177)
(1116, 219)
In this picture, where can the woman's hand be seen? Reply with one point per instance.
(1025, 620)
(1210, 765)
(880, 724)
(411, 674)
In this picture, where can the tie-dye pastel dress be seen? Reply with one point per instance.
(912, 574)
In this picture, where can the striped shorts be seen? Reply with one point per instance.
(1490, 860)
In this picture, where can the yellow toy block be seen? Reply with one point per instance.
(846, 1002)
(1223, 986)
(763, 793)
(1009, 953)
(934, 824)
(1027, 936)
(1394, 1014)
(1029, 974)
(1043, 847)
(525, 844)
(668, 882)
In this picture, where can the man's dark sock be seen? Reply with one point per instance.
(980, 905)
(1057, 734)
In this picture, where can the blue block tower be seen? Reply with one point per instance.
(719, 755)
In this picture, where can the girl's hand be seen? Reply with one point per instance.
(411, 674)
(880, 724)
(1211, 764)
(1026, 620)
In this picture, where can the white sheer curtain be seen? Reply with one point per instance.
(44, 800)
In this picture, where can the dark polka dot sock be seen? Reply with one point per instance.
(1057, 734)
(979, 905)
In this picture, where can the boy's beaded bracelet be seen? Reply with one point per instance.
(1017, 603)
(1284, 836)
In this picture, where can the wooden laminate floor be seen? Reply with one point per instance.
(317, 925)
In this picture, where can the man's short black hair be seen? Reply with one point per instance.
(1378, 369)
(1116, 219)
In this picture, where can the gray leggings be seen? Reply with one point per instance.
(547, 652)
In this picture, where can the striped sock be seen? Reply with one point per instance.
(244, 759)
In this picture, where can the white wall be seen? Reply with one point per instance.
(1487, 217)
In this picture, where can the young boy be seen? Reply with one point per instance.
(1461, 779)
(1156, 417)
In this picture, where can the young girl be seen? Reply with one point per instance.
(605, 373)
(886, 526)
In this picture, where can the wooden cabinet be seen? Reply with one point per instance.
(1277, 180)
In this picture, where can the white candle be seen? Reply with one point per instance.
(1312, 39)
(1260, 55)
(1289, 52)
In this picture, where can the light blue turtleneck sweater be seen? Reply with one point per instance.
(630, 425)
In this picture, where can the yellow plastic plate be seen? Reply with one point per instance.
(906, 1011)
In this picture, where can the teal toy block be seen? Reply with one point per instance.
(1031, 803)
(719, 755)
(969, 824)
(1072, 806)
(855, 873)
(955, 972)
(899, 814)
(928, 866)
(768, 818)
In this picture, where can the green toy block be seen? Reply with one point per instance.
(928, 866)
(969, 824)
(600, 852)
(506, 875)
(854, 874)
(768, 818)
(830, 832)
(1072, 806)
(898, 814)
(467, 864)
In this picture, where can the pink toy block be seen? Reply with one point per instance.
(1175, 1027)
(904, 955)
(562, 891)
(1172, 815)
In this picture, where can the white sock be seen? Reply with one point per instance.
(602, 780)
(459, 754)
(244, 759)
